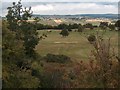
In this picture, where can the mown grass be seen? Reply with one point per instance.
(76, 45)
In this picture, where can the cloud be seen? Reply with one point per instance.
(63, 8)
(44, 8)
(62, 1)
(74, 8)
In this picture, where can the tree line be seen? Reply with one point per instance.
(102, 25)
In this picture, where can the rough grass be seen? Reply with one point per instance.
(75, 45)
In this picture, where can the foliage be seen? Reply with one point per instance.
(88, 25)
(52, 79)
(117, 24)
(103, 25)
(30, 38)
(91, 38)
(62, 26)
(64, 32)
(57, 58)
(70, 30)
(15, 77)
(74, 26)
(17, 19)
(10, 47)
(80, 28)
(104, 57)
(111, 26)
(40, 26)
(16, 69)
(17, 35)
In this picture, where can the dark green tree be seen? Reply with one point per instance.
(80, 28)
(69, 29)
(111, 26)
(17, 18)
(88, 25)
(62, 26)
(75, 25)
(117, 24)
(14, 49)
(64, 32)
(103, 25)
(91, 38)
(11, 50)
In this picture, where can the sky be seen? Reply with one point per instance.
(63, 0)
(66, 7)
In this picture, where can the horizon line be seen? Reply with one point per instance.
(72, 14)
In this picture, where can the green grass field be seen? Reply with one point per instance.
(76, 45)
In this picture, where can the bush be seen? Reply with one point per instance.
(111, 27)
(105, 56)
(57, 58)
(80, 28)
(88, 25)
(70, 30)
(52, 79)
(103, 25)
(91, 38)
(64, 32)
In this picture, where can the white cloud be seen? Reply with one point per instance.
(74, 8)
(62, 1)
(69, 8)
(40, 8)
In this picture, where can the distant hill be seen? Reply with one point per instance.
(58, 16)
(112, 16)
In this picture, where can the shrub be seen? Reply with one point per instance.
(64, 32)
(88, 25)
(51, 79)
(111, 27)
(57, 58)
(103, 25)
(70, 30)
(91, 38)
(80, 28)
(105, 57)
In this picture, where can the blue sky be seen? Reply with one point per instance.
(63, 7)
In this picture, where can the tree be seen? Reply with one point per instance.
(17, 34)
(88, 25)
(11, 50)
(117, 24)
(80, 28)
(111, 26)
(62, 26)
(64, 32)
(30, 38)
(74, 26)
(91, 38)
(17, 18)
(103, 25)
(70, 30)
